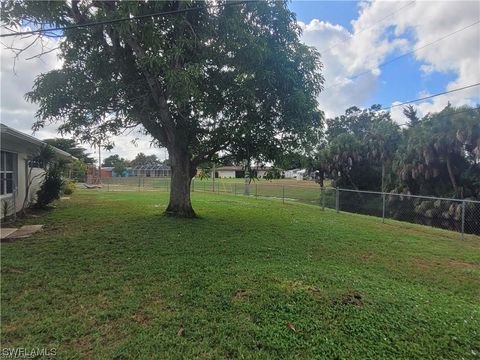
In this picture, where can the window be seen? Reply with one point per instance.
(6, 172)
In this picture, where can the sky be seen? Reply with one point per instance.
(359, 43)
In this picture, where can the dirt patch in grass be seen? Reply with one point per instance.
(241, 294)
(141, 318)
(367, 257)
(12, 270)
(315, 292)
(462, 265)
(351, 297)
(424, 263)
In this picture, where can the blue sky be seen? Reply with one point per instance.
(336, 12)
(404, 79)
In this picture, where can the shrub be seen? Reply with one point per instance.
(51, 187)
(69, 187)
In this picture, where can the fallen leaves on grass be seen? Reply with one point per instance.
(181, 331)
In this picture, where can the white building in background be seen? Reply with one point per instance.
(229, 172)
(300, 174)
(17, 149)
(232, 172)
(295, 174)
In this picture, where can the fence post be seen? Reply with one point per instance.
(204, 186)
(383, 207)
(139, 179)
(283, 194)
(193, 185)
(256, 189)
(463, 219)
(337, 199)
(235, 188)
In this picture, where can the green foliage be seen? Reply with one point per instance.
(440, 154)
(70, 146)
(205, 172)
(142, 159)
(241, 66)
(51, 187)
(76, 170)
(274, 173)
(69, 187)
(358, 144)
(120, 167)
(110, 161)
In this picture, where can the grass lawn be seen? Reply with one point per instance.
(112, 278)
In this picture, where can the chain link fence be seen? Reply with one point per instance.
(461, 215)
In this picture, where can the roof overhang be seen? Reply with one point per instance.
(13, 138)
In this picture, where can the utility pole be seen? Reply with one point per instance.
(99, 164)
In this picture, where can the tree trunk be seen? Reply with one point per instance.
(182, 173)
(451, 175)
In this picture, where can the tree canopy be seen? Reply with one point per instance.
(231, 77)
(71, 146)
(142, 159)
(437, 155)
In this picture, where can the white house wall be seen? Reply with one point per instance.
(225, 174)
(20, 179)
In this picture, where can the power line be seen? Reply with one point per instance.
(456, 112)
(371, 26)
(407, 53)
(431, 96)
(113, 21)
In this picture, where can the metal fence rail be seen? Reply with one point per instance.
(461, 215)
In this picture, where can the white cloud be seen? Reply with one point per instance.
(376, 35)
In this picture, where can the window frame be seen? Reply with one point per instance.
(4, 172)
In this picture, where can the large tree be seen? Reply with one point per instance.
(440, 154)
(197, 81)
(359, 149)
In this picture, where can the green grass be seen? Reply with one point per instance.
(112, 278)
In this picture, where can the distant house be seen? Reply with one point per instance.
(295, 174)
(17, 150)
(107, 172)
(231, 172)
(154, 170)
(291, 174)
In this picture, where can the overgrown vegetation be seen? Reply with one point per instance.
(69, 187)
(250, 279)
(51, 187)
(436, 155)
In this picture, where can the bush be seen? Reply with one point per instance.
(51, 187)
(69, 187)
